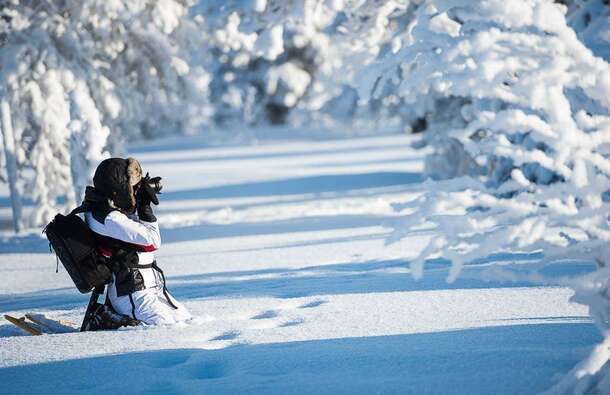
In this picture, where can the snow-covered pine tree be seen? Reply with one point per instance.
(529, 129)
(263, 55)
(273, 59)
(520, 80)
(81, 77)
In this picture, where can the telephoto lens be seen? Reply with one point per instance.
(155, 184)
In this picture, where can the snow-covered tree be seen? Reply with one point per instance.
(81, 77)
(272, 59)
(527, 107)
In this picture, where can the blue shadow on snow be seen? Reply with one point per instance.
(338, 279)
(294, 225)
(518, 359)
(296, 186)
(345, 278)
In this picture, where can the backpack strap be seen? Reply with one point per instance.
(154, 266)
(165, 293)
(99, 213)
(80, 209)
(133, 306)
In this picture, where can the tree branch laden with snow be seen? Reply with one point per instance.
(82, 77)
(273, 59)
(533, 138)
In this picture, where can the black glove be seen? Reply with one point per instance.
(145, 213)
(145, 196)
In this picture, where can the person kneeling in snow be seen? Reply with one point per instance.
(119, 212)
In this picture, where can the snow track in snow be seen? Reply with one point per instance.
(279, 250)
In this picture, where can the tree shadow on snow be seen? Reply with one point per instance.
(33, 243)
(207, 152)
(37, 243)
(286, 199)
(300, 185)
(47, 299)
(516, 359)
(294, 225)
(203, 155)
(347, 278)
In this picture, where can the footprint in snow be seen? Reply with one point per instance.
(313, 304)
(229, 335)
(295, 322)
(265, 315)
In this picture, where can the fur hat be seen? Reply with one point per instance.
(116, 178)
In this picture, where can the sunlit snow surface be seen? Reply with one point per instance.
(279, 250)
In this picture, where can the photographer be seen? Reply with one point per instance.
(119, 212)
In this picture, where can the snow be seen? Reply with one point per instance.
(513, 100)
(270, 43)
(294, 79)
(280, 251)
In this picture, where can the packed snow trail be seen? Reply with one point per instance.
(280, 251)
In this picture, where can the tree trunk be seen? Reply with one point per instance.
(11, 162)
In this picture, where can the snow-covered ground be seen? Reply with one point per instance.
(279, 250)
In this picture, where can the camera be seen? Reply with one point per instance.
(154, 183)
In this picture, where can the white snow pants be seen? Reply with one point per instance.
(149, 306)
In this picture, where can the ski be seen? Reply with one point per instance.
(38, 324)
(54, 326)
(32, 329)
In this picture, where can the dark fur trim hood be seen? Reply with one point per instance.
(115, 178)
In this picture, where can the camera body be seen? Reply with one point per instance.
(154, 183)
(149, 187)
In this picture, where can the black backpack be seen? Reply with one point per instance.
(76, 247)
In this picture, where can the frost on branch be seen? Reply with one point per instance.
(530, 145)
(538, 150)
(81, 77)
(293, 61)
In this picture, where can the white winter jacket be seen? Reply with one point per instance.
(131, 230)
(151, 304)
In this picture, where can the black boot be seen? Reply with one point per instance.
(104, 317)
